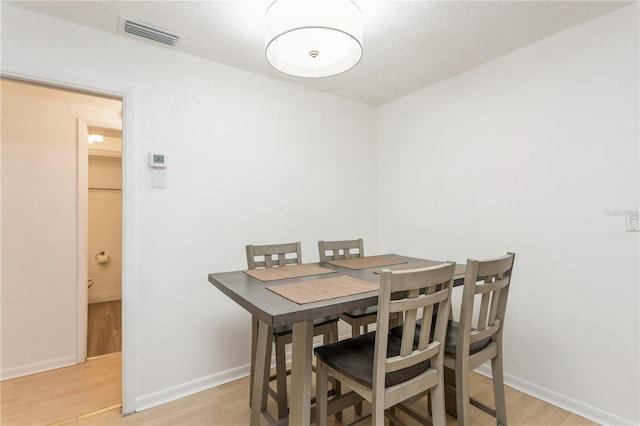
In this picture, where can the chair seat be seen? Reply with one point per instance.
(354, 358)
(288, 329)
(452, 340)
(359, 313)
(452, 337)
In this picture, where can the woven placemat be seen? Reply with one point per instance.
(284, 272)
(324, 289)
(459, 269)
(366, 262)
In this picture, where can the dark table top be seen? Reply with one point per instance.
(275, 310)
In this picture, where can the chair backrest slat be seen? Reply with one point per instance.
(484, 310)
(489, 280)
(425, 329)
(477, 335)
(410, 318)
(336, 250)
(272, 255)
(408, 292)
(399, 362)
(493, 309)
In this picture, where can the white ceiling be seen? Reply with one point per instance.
(408, 45)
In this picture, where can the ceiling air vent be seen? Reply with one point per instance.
(144, 30)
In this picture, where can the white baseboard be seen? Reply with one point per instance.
(38, 367)
(580, 408)
(157, 398)
(105, 297)
(189, 388)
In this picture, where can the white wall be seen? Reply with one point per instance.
(527, 153)
(39, 223)
(251, 160)
(550, 129)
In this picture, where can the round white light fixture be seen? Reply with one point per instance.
(313, 38)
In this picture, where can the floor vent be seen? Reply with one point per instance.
(144, 30)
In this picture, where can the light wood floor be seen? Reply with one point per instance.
(62, 396)
(104, 328)
(57, 395)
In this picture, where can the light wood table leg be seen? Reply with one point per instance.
(261, 373)
(300, 406)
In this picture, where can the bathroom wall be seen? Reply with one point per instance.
(105, 224)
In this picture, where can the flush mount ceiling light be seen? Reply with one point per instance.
(313, 38)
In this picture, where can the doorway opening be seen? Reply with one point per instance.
(104, 241)
(45, 193)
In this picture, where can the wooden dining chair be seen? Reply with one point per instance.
(385, 369)
(272, 256)
(358, 319)
(477, 337)
(345, 249)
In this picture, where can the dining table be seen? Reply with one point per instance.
(279, 298)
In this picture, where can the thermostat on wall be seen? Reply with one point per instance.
(157, 160)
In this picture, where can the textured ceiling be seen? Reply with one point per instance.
(408, 45)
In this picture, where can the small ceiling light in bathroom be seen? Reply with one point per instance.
(313, 38)
(95, 138)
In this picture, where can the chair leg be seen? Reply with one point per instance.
(355, 331)
(333, 334)
(498, 390)
(322, 387)
(281, 378)
(462, 393)
(377, 413)
(436, 404)
(332, 337)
